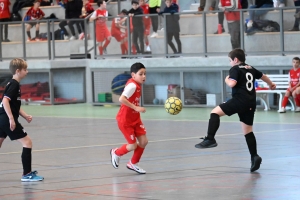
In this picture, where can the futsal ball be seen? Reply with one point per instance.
(118, 83)
(173, 105)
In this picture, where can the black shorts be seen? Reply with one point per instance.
(18, 133)
(32, 24)
(245, 112)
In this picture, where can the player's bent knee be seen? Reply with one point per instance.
(143, 144)
(131, 147)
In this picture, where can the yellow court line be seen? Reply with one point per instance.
(179, 120)
(166, 140)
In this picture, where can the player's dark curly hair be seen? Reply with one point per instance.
(17, 63)
(237, 53)
(100, 2)
(136, 67)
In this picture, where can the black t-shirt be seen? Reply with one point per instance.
(13, 92)
(244, 90)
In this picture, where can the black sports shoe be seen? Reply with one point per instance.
(206, 143)
(255, 163)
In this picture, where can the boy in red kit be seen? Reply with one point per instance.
(4, 17)
(87, 9)
(294, 89)
(118, 30)
(32, 16)
(147, 23)
(102, 32)
(129, 121)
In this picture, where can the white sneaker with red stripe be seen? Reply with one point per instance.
(114, 158)
(135, 168)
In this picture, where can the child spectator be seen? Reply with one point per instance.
(154, 8)
(87, 9)
(10, 110)
(102, 32)
(172, 25)
(4, 17)
(294, 89)
(147, 23)
(233, 22)
(129, 121)
(138, 26)
(32, 16)
(241, 79)
(118, 31)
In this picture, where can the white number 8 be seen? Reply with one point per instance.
(249, 78)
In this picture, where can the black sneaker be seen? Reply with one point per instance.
(255, 163)
(206, 143)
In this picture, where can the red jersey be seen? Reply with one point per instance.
(127, 115)
(145, 9)
(35, 14)
(88, 8)
(4, 9)
(294, 77)
(115, 30)
(100, 22)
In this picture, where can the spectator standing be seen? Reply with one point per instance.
(102, 32)
(138, 26)
(154, 8)
(32, 16)
(147, 23)
(87, 9)
(4, 17)
(203, 3)
(172, 26)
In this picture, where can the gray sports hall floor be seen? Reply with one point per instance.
(72, 144)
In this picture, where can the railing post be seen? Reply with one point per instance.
(129, 36)
(95, 44)
(48, 39)
(53, 41)
(165, 34)
(242, 36)
(24, 40)
(281, 32)
(204, 34)
(1, 35)
(86, 39)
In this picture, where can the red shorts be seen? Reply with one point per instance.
(102, 34)
(119, 36)
(132, 131)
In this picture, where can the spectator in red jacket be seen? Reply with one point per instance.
(4, 17)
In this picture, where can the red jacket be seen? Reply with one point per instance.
(233, 15)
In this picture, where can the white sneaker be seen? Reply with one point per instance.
(154, 34)
(148, 48)
(66, 37)
(297, 109)
(282, 110)
(114, 158)
(135, 168)
(73, 38)
(249, 24)
(281, 5)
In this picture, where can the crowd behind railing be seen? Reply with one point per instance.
(135, 27)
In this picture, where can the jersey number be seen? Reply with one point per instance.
(249, 83)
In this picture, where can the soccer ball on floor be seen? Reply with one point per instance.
(173, 105)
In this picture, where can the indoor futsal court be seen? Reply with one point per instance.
(71, 145)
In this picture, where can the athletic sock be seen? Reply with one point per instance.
(133, 49)
(125, 46)
(213, 125)
(106, 43)
(37, 33)
(284, 101)
(147, 43)
(251, 142)
(28, 34)
(100, 50)
(138, 152)
(26, 160)
(122, 49)
(122, 150)
(297, 101)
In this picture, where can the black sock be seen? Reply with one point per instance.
(251, 142)
(37, 34)
(213, 125)
(28, 34)
(26, 160)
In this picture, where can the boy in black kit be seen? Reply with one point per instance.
(10, 109)
(241, 79)
(138, 26)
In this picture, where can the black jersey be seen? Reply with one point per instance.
(13, 92)
(245, 75)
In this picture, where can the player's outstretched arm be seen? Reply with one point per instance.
(27, 117)
(266, 79)
(125, 101)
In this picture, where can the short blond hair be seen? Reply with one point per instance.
(17, 63)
